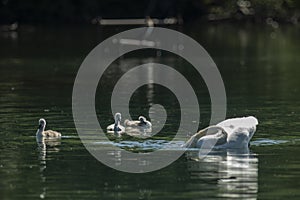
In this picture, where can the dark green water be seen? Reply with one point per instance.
(260, 69)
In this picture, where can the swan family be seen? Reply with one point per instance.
(230, 133)
(142, 122)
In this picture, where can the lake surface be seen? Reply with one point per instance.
(260, 69)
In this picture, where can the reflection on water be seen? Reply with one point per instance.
(139, 132)
(46, 146)
(234, 171)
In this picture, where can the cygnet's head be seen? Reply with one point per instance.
(142, 119)
(42, 123)
(118, 117)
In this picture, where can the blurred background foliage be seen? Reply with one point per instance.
(82, 11)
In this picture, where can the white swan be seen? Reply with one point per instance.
(116, 127)
(41, 133)
(231, 133)
(142, 122)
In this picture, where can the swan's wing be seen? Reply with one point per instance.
(52, 134)
(239, 122)
(110, 127)
(248, 123)
(129, 123)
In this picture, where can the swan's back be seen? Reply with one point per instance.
(131, 123)
(51, 134)
(241, 122)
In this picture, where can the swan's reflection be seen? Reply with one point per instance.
(45, 145)
(139, 132)
(235, 171)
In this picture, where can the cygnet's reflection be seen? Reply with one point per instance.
(235, 171)
(139, 132)
(45, 145)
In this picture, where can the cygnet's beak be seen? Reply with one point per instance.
(142, 121)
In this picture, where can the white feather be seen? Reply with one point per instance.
(232, 133)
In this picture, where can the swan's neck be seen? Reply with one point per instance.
(194, 139)
(117, 123)
(40, 130)
(142, 123)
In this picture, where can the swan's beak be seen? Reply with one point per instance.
(40, 126)
(142, 121)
